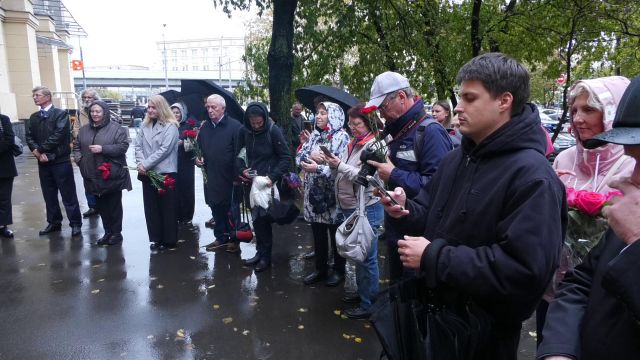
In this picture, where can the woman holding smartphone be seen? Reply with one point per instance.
(346, 169)
(319, 190)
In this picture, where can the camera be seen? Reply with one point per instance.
(366, 169)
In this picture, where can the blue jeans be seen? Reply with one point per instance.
(367, 273)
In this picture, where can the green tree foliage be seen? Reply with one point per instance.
(347, 43)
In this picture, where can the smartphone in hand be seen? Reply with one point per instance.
(325, 150)
(373, 181)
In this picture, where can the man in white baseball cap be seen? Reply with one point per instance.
(417, 146)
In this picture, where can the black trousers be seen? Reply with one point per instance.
(160, 213)
(225, 222)
(321, 234)
(264, 237)
(109, 206)
(6, 187)
(185, 187)
(59, 177)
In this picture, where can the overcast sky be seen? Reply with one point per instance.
(125, 32)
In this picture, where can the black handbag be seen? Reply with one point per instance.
(411, 323)
(116, 180)
(282, 212)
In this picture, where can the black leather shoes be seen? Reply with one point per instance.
(104, 239)
(6, 233)
(309, 255)
(262, 266)
(351, 298)
(211, 223)
(50, 229)
(89, 213)
(335, 279)
(115, 239)
(357, 313)
(252, 261)
(76, 230)
(314, 277)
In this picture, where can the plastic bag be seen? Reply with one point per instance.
(260, 195)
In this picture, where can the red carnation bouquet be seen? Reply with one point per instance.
(192, 137)
(162, 183)
(586, 224)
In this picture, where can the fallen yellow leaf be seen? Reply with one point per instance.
(101, 280)
(367, 326)
(227, 320)
(180, 333)
(211, 286)
(216, 307)
(343, 316)
(192, 257)
(302, 310)
(95, 291)
(337, 312)
(358, 340)
(346, 336)
(300, 327)
(245, 332)
(160, 286)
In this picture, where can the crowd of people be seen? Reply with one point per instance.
(473, 209)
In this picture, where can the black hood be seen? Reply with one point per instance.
(262, 108)
(523, 131)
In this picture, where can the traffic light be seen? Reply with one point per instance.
(77, 65)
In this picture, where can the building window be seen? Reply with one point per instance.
(194, 68)
(205, 68)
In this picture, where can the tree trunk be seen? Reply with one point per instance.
(476, 39)
(280, 60)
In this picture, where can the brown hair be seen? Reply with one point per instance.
(371, 120)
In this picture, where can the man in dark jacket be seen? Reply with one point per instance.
(405, 117)
(493, 217)
(596, 312)
(267, 154)
(219, 142)
(48, 136)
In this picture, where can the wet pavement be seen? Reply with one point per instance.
(64, 298)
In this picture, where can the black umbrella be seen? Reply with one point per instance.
(172, 96)
(204, 88)
(193, 102)
(306, 95)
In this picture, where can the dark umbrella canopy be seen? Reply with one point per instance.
(204, 88)
(172, 96)
(193, 102)
(306, 95)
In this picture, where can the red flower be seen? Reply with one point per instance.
(191, 122)
(369, 109)
(169, 182)
(589, 202)
(190, 133)
(105, 167)
(571, 197)
(612, 194)
(162, 191)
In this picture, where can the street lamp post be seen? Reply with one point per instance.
(164, 56)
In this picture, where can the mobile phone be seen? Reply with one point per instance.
(373, 181)
(325, 150)
(308, 126)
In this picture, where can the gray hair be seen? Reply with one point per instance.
(218, 100)
(92, 92)
(45, 90)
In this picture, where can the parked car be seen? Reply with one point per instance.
(563, 142)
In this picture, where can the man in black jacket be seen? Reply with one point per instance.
(48, 136)
(219, 141)
(493, 217)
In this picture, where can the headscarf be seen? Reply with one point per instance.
(183, 111)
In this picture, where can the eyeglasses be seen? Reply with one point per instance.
(355, 124)
(387, 101)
